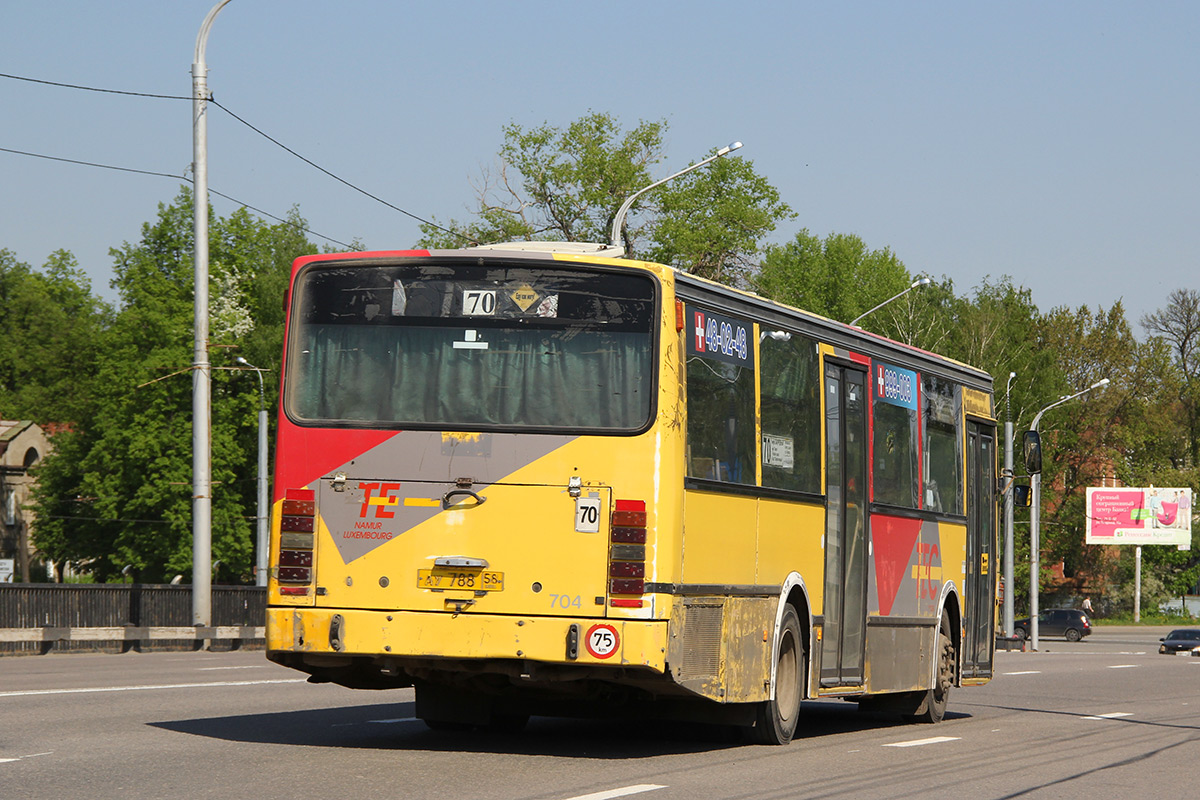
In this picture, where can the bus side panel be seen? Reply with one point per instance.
(789, 540)
(912, 561)
(885, 671)
(718, 538)
(720, 647)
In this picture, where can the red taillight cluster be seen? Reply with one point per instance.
(627, 554)
(297, 525)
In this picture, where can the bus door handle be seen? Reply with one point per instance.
(448, 499)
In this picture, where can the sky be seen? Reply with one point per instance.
(1055, 143)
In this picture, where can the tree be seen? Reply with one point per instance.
(567, 185)
(1082, 440)
(1179, 325)
(712, 220)
(838, 277)
(118, 490)
(50, 328)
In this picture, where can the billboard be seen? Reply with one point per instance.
(1139, 516)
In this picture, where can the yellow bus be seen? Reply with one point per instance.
(535, 479)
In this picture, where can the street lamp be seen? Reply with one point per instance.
(1035, 509)
(1008, 508)
(619, 219)
(915, 284)
(260, 571)
(201, 369)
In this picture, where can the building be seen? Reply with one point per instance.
(23, 444)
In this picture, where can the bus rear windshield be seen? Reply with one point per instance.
(466, 346)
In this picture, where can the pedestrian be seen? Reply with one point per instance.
(1087, 605)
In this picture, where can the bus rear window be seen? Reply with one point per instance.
(467, 346)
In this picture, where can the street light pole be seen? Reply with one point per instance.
(1009, 586)
(201, 369)
(619, 219)
(915, 284)
(260, 570)
(1035, 509)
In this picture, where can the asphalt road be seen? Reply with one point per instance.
(1106, 717)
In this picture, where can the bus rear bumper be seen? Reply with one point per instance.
(324, 635)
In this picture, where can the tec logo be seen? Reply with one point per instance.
(381, 497)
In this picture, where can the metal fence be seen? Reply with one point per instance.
(39, 618)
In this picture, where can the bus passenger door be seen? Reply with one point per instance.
(846, 520)
(981, 548)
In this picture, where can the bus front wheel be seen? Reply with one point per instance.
(775, 719)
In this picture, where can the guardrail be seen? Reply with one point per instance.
(40, 618)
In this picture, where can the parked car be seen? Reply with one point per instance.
(1068, 622)
(1180, 640)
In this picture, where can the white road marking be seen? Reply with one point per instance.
(99, 689)
(920, 742)
(376, 722)
(247, 666)
(19, 758)
(1113, 715)
(1026, 672)
(624, 791)
(1124, 666)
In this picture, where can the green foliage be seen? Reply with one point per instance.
(566, 185)
(49, 336)
(838, 277)
(712, 220)
(117, 489)
(558, 185)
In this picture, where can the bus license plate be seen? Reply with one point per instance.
(482, 581)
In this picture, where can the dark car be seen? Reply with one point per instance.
(1180, 640)
(1068, 622)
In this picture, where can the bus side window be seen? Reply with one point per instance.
(895, 454)
(942, 451)
(791, 411)
(720, 426)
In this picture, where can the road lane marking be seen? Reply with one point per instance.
(1026, 672)
(247, 666)
(1113, 715)
(624, 791)
(376, 722)
(920, 742)
(98, 689)
(1124, 666)
(21, 758)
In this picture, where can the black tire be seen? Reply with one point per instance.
(775, 719)
(1073, 635)
(1020, 634)
(933, 703)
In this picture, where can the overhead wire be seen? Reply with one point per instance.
(181, 178)
(260, 132)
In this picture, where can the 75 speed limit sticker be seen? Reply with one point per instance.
(602, 641)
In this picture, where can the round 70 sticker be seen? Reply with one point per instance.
(602, 641)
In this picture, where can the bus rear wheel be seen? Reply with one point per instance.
(932, 706)
(775, 719)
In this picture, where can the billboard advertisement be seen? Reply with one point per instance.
(1139, 516)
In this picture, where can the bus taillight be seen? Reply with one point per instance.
(297, 524)
(627, 554)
